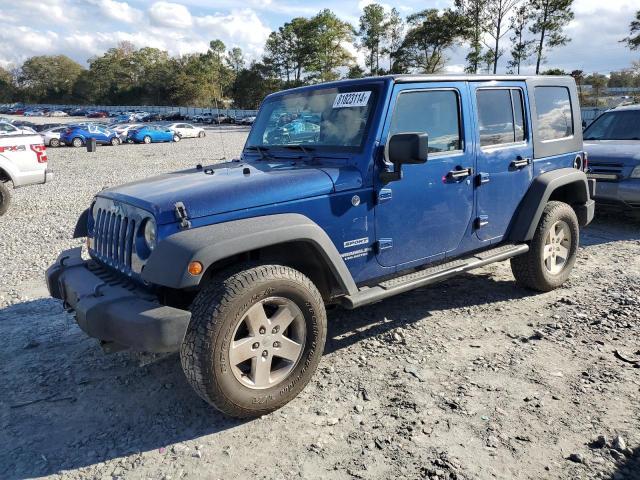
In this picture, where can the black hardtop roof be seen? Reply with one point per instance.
(415, 78)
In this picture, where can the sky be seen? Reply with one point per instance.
(83, 28)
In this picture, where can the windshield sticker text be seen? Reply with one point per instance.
(351, 99)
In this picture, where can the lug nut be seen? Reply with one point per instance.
(262, 330)
(275, 329)
(255, 345)
(276, 344)
(265, 353)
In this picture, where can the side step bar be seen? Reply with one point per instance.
(394, 286)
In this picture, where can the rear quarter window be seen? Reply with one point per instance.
(554, 114)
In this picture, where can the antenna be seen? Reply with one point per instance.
(217, 120)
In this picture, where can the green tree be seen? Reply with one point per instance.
(355, 71)
(7, 87)
(498, 12)
(633, 40)
(48, 78)
(252, 84)
(394, 29)
(521, 47)
(289, 50)
(554, 71)
(598, 83)
(329, 34)
(549, 19)
(477, 15)
(235, 59)
(372, 35)
(430, 35)
(578, 76)
(622, 78)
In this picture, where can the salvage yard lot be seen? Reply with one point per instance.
(471, 378)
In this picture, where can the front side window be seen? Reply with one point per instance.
(435, 112)
(620, 125)
(322, 118)
(555, 118)
(500, 116)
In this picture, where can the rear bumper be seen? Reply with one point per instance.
(112, 309)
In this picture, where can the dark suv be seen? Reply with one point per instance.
(346, 193)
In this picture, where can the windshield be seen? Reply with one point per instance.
(621, 125)
(335, 118)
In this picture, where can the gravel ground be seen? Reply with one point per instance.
(473, 378)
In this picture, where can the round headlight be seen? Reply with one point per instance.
(150, 233)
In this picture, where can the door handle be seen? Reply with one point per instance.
(520, 162)
(459, 174)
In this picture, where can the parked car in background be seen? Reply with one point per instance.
(247, 120)
(11, 129)
(34, 113)
(77, 135)
(78, 112)
(124, 118)
(186, 130)
(51, 137)
(58, 113)
(206, 117)
(23, 161)
(152, 133)
(98, 114)
(124, 129)
(612, 143)
(174, 116)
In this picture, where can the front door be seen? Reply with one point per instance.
(504, 158)
(426, 213)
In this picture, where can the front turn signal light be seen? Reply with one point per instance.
(195, 268)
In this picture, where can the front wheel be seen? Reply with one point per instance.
(176, 138)
(115, 141)
(5, 197)
(201, 135)
(552, 251)
(146, 139)
(77, 142)
(54, 142)
(255, 339)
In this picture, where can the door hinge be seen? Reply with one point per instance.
(384, 195)
(182, 216)
(384, 244)
(482, 221)
(482, 178)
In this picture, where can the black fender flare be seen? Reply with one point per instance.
(81, 228)
(167, 265)
(540, 191)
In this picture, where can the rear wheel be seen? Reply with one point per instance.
(201, 135)
(176, 138)
(77, 142)
(255, 338)
(115, 141)
(5, 197)
(146, 139)
(552, 251)
(54, 142)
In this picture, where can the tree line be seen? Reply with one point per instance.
(310, 50)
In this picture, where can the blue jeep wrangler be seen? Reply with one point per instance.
(346, 193)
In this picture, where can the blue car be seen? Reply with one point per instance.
(152, 133)
(77, 135)
(612, 142)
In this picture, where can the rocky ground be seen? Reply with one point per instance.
(474, 378)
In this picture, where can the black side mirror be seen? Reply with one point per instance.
(405, 148)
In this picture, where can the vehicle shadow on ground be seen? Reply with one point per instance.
(610, 226)
(629, 468)
(466, 290)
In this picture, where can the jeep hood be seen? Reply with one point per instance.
(626, 152)
(227, 187)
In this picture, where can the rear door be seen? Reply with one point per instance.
(504, 154)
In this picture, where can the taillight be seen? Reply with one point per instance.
(585, 164)
(41, 152)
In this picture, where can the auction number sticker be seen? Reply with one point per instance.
(351, 99)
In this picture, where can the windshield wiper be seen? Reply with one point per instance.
(304, 150)
(263, 151)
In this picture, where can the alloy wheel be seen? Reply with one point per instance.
(557, 246)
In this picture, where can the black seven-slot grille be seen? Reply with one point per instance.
(113, 238)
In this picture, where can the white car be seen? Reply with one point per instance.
(186, 130)
(247, 120)
(122, 130)
(10, 129)
(51, 137)
(23, 161)
(58, 113)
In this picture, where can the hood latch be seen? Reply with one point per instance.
(182, 216)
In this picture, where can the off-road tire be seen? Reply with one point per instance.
(217, 310)
(529, 269)
(5, 197)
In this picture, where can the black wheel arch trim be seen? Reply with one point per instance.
(167, 265)
(540, 192)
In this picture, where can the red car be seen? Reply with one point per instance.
(97, 115)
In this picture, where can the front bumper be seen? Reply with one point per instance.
(112, 309)
(625, 193)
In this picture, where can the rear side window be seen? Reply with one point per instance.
(555, 118)
(500, 116)
(434, 112)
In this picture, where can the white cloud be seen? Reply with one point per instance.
(119, 11)
(242, 27)
(170, 15)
